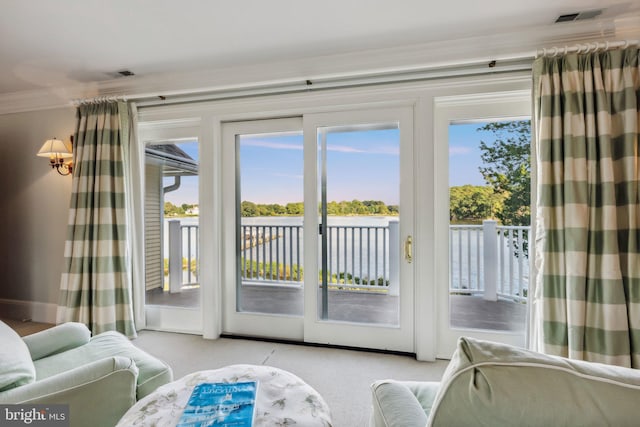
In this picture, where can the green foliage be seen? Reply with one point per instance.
(507, 168)
(248, 209)
(270, 271)
(294, 273)
(172, 210)
(348, 279)
(354, 207)
(295, 208)
(473, 203)
(193, 267)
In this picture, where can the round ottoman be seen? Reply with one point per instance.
(282, 398)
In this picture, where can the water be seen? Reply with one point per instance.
(466, 273)
(467, 267)
(289, 249)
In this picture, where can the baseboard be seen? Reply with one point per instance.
(28, 310)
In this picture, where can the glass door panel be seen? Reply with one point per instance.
(170, 157)
(489, 203)
(482, 182)
(263, 292)
(269, 205)
(359, 228)
(359, 224)
(171, 224)
(328, 269)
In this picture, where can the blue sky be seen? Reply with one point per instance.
(188, 191)
(464, 153)
(361, 165)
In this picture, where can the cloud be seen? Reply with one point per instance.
(271, 144)
(287, 175)
(455, 151)
(388, 150)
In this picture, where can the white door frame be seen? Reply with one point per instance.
(161, 317)
(429, 172)
(309, 328)
(246, 323)
(397, 338)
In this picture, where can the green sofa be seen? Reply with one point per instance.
(491, 384)
(99, 377)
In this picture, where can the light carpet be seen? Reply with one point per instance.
(342, 377)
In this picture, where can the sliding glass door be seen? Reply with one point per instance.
(263, 228)
(362, 195)
(318, 229)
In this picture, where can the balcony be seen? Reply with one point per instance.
(489, 272)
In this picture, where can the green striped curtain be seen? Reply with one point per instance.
(96, 286)
(587, 296)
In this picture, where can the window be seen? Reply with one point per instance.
(483, 146)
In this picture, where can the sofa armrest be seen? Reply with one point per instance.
(55, 340)
(395, 405)
(86, 376)
(98, 394)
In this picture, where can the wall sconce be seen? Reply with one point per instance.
(57, 152)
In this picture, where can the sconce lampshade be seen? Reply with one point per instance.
(57, 152)
(54, 148)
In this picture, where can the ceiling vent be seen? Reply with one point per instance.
(120, 74)
(579, 16)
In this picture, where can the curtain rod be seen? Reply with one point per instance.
(97, 100)
(585, 48)
(520, 63)
(341, 82)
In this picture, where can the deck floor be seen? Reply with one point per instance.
(467, 312)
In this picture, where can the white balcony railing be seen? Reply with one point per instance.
(487, 259)
(490, 260)
(358, 256)
(184, 257)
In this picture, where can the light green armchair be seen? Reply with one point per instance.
(99, 377)
(491, 384)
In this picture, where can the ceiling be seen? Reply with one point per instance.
(48, 44)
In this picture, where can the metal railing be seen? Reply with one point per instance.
(487, 259)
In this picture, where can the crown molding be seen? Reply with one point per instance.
(427, 56)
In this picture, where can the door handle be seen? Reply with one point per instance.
(408, 249)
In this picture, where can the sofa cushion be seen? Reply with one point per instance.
(152, 371)
(499, 385)
(16, 366)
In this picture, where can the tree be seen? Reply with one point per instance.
(507, 168)
(473, 203)
(172, 210)
(344, 207)
(295, 208)
(248, 209)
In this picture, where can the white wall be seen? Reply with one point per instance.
(33, 220)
